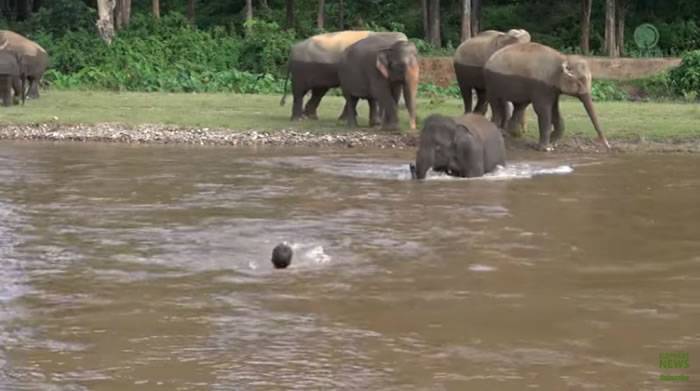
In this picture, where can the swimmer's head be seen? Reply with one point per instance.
(281, 256)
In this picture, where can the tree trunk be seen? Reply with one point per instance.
(426, 19)
(466, 20)
(290, 14)
(24, 10)
(435, 23)
(342, 15)
(320, 19)
(610, 41)
(156, 9)
(248, 10)
(122, 14)
(105, 23)
(620, 27)
(476, 17)
(586, 26)
(263, 4)
(191, 10)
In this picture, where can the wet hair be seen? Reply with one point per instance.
(281, 256)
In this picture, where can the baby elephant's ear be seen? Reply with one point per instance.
(383, 64)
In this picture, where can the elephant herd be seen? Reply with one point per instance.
(21, 61)
(505, 71)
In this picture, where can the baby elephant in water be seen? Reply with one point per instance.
(466, 146)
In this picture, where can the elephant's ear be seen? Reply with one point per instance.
(383, 64)
(566, 69)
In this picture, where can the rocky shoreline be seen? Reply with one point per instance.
(164, 134)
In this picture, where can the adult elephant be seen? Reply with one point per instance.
(467, 146)
(527, 73)
(313, 66)
(378, 68)
(34, 58)
(470, 58)
(11, 77)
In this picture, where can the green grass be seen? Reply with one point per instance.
(620, 120)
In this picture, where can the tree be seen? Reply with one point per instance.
(610, 41)
(342, 15)
(248, 10)
(586, 26)
(263, 4)
(466, 20)
(105, 23)
(122, 14)
(156, 9)
(476, 17)
(290, 14)
(620, 13)
(434, 22)
(320, 19)
(191, 10)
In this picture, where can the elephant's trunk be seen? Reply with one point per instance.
(588, 104)
(410, 90)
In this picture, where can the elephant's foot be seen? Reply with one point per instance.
(391, 128)
(311, 116)
(545, 148)
(604, 141)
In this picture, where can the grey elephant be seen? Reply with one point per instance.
(34, 58)
(527, 73)
(467, 146)
(378, 68)
(11, 77)
(313, 66)
(470, 58)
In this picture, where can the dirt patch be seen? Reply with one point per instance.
(440, 71)
(437, 70)
(160, 134)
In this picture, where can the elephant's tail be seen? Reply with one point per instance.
(284, 96)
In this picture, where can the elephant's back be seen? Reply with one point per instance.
(529, 60)
(327, 48)
(9, 40)
(490, 136)
(476, 51)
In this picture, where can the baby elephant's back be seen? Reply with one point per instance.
(490, 136)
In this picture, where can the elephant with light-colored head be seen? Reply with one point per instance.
(313, 66)
(470, 58)
(34, 58)
(527, 73)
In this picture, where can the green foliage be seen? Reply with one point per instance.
(679, 36)
(655, 87)
(60, 16)
(603, 90)
(685, 80)
(265, 48)
(171, 55)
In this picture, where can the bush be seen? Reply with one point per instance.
(170, 55)
(60, 16)
(679, 37)
(603, 90)
(685, 80)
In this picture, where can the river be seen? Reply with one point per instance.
(148, 268)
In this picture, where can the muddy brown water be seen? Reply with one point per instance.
(147, 268)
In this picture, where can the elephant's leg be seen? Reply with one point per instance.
(344, 114)
(480, 101)
(6, 90)
(498, 112)
(466, 98)
(374, 115)
(544, 118)
(557, 121)
(513, 126)
(17, 87)
(33, 88)
(312, 105)
(351, 104)
(298, 92)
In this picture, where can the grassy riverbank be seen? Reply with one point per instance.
(622, 121)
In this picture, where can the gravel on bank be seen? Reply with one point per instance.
(165, 134)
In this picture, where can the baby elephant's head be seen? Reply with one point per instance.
(281, 256)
